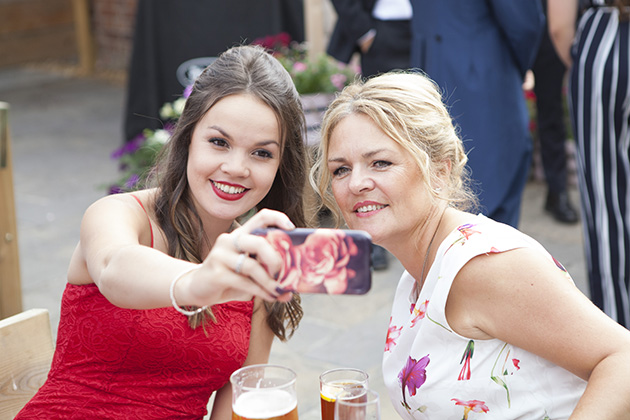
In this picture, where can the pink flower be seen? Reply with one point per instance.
(393, 333)
(419, 313)
(413, 376)
(299, 66)
(338, 80)
(516, 363)
(475, 406)
(464, 374)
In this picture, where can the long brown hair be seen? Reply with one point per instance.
(242, 69)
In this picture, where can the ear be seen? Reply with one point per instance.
(443, 170)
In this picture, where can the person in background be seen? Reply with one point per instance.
(484, 319)
(549, 72)
(380, 32)
(167, 294)
(478, 52)
(174, 40)
(599, 82)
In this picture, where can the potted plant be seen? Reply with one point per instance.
(316, 78)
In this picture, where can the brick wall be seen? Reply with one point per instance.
(36, 30)
(113, 23)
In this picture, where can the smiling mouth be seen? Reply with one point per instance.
(370, 207)
(228, 189)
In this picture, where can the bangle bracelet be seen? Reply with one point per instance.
(175, 305)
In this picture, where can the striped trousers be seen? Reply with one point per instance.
(600, 108)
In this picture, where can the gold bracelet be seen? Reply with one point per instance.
(175, 305)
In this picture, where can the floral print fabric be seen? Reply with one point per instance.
(432, 372)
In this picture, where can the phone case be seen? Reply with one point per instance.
(333, 261)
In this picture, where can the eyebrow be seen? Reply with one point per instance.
(260, 143)
(364, 155)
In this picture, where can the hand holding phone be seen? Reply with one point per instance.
(333, 261)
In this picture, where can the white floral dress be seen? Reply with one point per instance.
(431, 372)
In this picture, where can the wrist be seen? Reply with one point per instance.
(174, 294)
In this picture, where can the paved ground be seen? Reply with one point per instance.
(63, 130)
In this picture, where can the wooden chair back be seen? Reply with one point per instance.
(26, 351)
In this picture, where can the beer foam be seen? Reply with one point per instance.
(264, 403)
(344, 388)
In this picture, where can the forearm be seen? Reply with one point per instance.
(562, 15)
(607, 394)
(139, 277)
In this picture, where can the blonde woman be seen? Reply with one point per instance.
(484, 320)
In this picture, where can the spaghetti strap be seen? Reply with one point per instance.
(148, 218)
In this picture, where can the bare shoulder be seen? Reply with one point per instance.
(492, 287)
(131, 200)
(119, 218)
(527, 299)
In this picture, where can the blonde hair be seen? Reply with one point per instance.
(408, 107)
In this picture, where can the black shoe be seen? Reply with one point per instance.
(559, 205)
(379, 258)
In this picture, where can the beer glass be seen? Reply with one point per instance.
(264, 392)
(340, 382)
(349, 408)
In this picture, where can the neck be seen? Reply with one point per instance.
(417, 256)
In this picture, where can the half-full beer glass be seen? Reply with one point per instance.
(343, 382)
(264, 392)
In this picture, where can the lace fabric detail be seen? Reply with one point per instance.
(124, 363)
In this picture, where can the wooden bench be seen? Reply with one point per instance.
(26, 352)
(10, 283)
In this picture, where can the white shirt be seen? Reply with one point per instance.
(392, 10)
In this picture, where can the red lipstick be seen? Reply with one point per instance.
(226, 196)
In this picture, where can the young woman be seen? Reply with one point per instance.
(484, 319)
(167, 295)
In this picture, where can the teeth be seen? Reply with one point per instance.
(228, 189)
(371, 207)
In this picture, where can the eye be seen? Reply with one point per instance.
(263, 153)
(382, 163)
(340, 171)
(217, 141)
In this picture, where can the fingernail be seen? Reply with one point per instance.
(290, 225)
(280, 290)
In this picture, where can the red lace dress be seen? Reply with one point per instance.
(113, 363)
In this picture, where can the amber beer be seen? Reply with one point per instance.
(273, 404)
(348, 390)
(344, 383)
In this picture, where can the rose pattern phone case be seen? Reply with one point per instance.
(333, 261)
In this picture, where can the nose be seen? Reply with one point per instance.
(360, 181)
(235, 165)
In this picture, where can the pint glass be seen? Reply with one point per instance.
(264, 392)
(368, 408)
(344, 382)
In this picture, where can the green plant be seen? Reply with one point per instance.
(318, 74)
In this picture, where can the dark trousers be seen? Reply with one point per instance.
(549, 73)
(390, 50)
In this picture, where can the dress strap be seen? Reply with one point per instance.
(148, 218)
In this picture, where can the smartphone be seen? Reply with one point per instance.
(332, 261)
